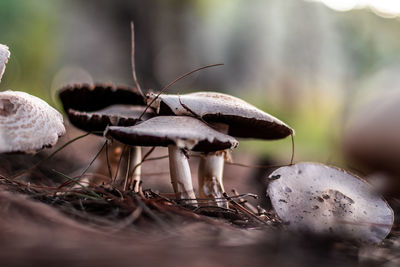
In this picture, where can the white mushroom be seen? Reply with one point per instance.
(228, 115)
(178, 134)
(94, 107)
(4, 56)
(322, 199)
(27, 123)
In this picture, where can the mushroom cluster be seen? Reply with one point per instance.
(27, 123)
(227, 114)
(205, 122)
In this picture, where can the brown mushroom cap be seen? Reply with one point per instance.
(27, 123)
(4, 56)
(244, 119)
(84, 97)
(185, 132)
(116, 115)
(372, 135)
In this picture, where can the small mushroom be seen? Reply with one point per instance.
(85, 97)
(227, 114)
(371, 139)
(322, 199)
(94, 107)
(178, 134)
(27, 123)
(115, 115)
(4, 56)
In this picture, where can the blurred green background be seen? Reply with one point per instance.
(302, 61)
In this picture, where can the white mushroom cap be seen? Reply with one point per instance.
(4, 56)
(244, 119)
(323, 199)
(27, 123)
(182, 131)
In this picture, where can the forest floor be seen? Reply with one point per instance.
(45, 222)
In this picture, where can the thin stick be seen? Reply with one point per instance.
(247, 165)
(244, 202)
(108, 162)
(87, 167)
(234, 203)
(62, 147)
(154, 173)
(144, 158)
(174, 81)
(127, 168)
(95, 175)
(292, 158)
(95, 157)
(224, 198)
(49, 156)
(157, 158)
(252, 166)
(133, 60)
(78, 183)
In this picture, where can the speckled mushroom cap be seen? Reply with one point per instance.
(323, 199)
(27, 123)
(115, 115)
(244, 119)
(85, 97)
(4, 56)
(183, 131)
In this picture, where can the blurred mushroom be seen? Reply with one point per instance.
(178, 134)
(94, 107)
(4, 56)
(27, 123)
(371, 139)
(227, 114)
(321, 199)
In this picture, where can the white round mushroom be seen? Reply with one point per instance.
(4, 56)
(27, 123)
(322, 199)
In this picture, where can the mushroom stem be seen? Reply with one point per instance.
(136, 159)
(211, 169)
(129, 160)
(181, 177)
(210, 173)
